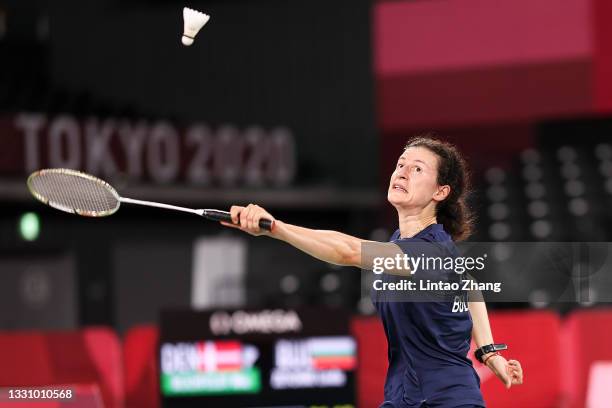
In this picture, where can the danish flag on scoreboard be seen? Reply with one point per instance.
(220, 356)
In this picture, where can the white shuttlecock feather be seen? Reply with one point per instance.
(193, 21)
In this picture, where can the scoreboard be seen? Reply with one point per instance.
(257, 358)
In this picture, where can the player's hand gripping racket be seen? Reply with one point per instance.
(83, 194)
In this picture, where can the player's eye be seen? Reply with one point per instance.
(417, 169)
(400, 165)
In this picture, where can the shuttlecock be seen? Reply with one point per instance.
(193, 21)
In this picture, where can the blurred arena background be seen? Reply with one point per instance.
(301, 107)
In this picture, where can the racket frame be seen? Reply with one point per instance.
(64, 208)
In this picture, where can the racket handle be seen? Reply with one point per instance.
(216, 215)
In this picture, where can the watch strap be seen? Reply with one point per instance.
(489, 348)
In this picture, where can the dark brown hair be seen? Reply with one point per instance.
(453, 213)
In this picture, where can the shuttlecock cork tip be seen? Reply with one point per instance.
(193, 21)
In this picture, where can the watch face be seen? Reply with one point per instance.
(489, 348)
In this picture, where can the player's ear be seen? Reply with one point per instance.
(442, 193)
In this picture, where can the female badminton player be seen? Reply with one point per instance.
(428, 342)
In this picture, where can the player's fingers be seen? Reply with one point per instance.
(227, 224)
(251, 211)
(251, 218)
(517, 373)
(235, 213)
(243, 217)
(517, 379)
(255, 209)
(515, 366)
(257, 216)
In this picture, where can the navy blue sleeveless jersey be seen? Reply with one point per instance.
(428, 342)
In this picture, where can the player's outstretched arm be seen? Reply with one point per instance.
(329, 246)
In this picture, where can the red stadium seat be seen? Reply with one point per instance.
(140, 367)
(372, 360)
(80, 359)
(587, 340)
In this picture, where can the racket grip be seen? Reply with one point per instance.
(216, 215)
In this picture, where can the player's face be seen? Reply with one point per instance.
(414, 183)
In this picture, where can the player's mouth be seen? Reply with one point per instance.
(399, 188)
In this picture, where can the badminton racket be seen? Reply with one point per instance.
(83, 194)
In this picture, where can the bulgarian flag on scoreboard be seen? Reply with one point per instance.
(329, 353)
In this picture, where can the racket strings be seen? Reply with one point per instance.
(76, 193)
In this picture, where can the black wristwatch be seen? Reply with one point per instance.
(489, 348)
